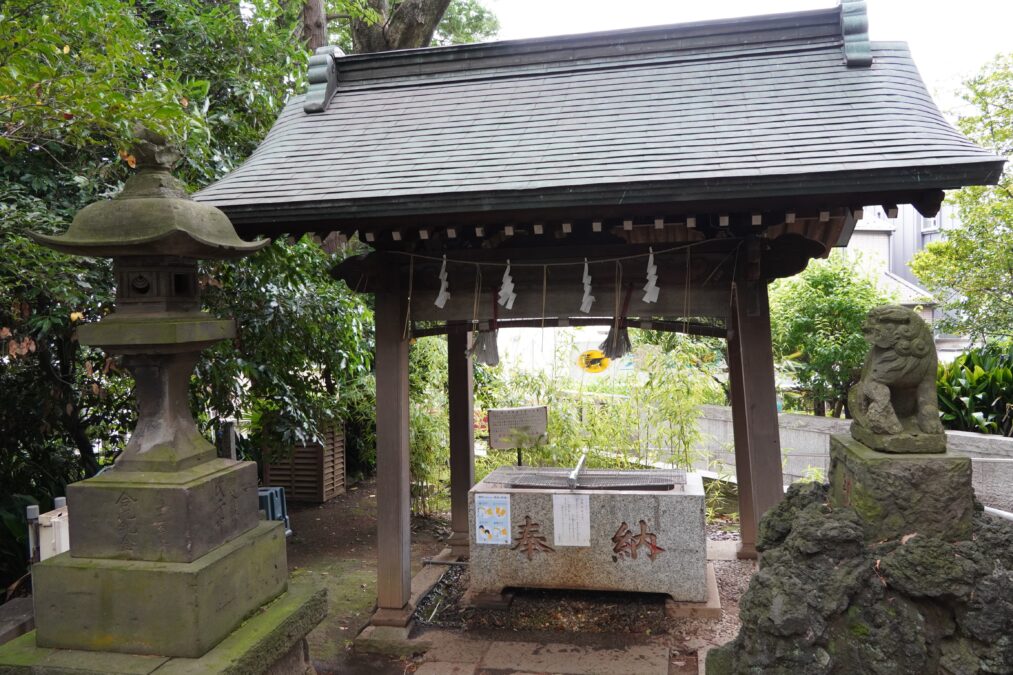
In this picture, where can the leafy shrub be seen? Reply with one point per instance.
(428, 435)
(816, 322)
(976, 391)
(622, 420)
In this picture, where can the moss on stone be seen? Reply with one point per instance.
(251, 649)
(859, 630)
(827, 599)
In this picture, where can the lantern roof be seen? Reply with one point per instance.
(152, 215)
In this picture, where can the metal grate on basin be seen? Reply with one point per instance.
(595, 479)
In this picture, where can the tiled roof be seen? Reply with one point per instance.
(759, 107)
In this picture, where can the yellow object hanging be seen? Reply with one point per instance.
(593, 361)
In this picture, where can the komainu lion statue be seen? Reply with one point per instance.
(894, 403)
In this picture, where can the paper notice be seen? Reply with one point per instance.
(517, 427)
(571, 520)
(492, 519)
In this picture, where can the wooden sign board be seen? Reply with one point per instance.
(518, 427)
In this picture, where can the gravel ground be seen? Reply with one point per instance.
(637, 617)
(544, 610)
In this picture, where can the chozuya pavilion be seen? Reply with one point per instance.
(734, 150)
(522, 183)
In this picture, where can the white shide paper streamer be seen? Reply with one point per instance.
(506, 289)
(588, 299)
(651, 288)
(444, 294)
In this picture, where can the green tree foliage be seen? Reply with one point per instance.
(621, 419)
(707, 354)
(72, 74)
(463, 21)
(816, 324)
(76, 76)
(976, 391)
(302, 341)
(971, 269)
(428, 440)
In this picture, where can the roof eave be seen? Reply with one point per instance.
(678, 194)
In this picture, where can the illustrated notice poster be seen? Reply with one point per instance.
(571, 520)
(492, 519)
(518, 427)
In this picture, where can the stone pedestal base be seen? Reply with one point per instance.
(173, 516)
(396, 618)
(744, 551)
(270, 642)
(907, 442)
(170, 609)
(898, 494)
(459, 544)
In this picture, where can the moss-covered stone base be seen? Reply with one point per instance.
(170, 609)
(170, 516)
(827, 600)
(895, 495)
(262, 642)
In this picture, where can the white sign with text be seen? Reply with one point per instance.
(571, 520)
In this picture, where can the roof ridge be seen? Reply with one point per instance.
(492, 74)
(329, 67)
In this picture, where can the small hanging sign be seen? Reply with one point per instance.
(492, 519)
(593, 361)
(523, 427)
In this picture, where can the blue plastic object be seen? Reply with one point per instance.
(272, 502)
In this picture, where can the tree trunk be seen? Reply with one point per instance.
(61, 376)
(410, 25)
(75, 428)
(820, 408)
(314, 24)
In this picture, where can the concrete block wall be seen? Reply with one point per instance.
(805, 443)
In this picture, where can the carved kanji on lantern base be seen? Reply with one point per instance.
(531, 540)
(627, 543)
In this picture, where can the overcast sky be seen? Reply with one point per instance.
(950, 40)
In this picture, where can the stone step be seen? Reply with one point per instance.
(568, 659)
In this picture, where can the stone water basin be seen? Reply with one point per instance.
(631, 530)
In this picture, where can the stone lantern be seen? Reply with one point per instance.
(168, 554)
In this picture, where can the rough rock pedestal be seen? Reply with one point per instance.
(890, 568)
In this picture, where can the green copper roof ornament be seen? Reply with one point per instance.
(153, 215)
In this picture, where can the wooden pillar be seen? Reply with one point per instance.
(743, 474)
(757, 413)
(460, 384)
(393, 525)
